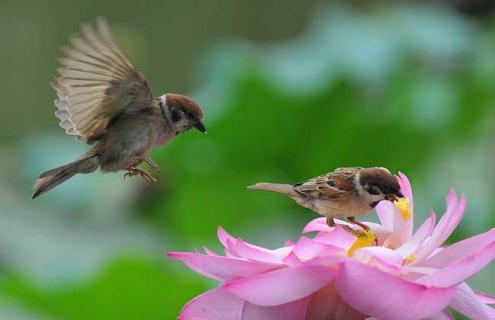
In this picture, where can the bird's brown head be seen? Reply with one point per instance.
(380, 184)
(183, 112)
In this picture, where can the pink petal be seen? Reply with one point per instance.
(444, 315)
(466, 302)
(454, 220)
(209, 252)
(318, 224)
(283, 251)
(421, 234)
(292, 260)
(405, 187)
(293, 310)
(390, 217)
(327, 304)
(338, 237)
(251, 252)
(457, 272)
(218, 304)
(400, 230)
(212, 305)
(221, 268)
(386, 213)
(306, 248)
(280, 286)
(324, 230)
(384, 296)
(447, 224)
(485, 297)
(381, 233)
(224, 236)
(326, 261)
(403, 228)
(239, 248)
(229, 253)
(460, 249)
(341, 238)
(454, 215)
(389, 260)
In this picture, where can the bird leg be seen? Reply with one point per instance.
(358, 233)
(354, 221)
(150, 162)
(330, 222)
(132, 171)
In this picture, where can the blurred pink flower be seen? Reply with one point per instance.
(335, 275)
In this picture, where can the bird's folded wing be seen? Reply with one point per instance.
(96, 84)
(328, 186)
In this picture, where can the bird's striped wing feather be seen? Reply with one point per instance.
(97, 83)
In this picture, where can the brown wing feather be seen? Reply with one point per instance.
(97, 83)
(317, 188)
(329, 186)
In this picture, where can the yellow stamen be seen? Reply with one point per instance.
(364, 239)
(405, 210)
(410, 258)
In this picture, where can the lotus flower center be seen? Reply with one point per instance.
(410, 258)
(405, 210)
(366, 239)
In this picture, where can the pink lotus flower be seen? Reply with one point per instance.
(335, 275)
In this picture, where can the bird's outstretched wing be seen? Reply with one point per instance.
(97, 83)
(328, 186)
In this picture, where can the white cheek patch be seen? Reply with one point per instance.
(357, 184)
(163, 99)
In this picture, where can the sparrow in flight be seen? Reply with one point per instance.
(345, 192)
(104, 101)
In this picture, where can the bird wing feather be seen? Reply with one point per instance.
(97, 83)
(329, 186)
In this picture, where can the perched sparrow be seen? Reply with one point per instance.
(103, 100)
(346, 192)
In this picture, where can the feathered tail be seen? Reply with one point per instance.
(52, 178)
(287, 189)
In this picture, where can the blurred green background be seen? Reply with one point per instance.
(291, 89)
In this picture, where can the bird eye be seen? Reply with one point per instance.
(176, 115)
(373, 189)
(387, 189)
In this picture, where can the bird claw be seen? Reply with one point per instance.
(132, 171)
(152, 165)
(362, 234)
(150, 162)
(357, 233)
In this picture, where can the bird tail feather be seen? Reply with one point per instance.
(52, 178)
(274, 187)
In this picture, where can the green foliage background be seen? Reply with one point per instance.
(288, 94)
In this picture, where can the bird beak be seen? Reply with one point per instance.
(394, 196)
(200, 126)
